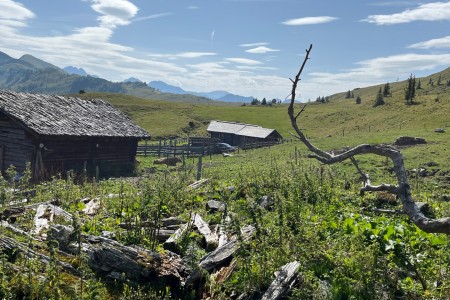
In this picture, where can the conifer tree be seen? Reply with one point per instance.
(386, 90)
(348, 95)
(410, 91)
(379, 99)
(358, 100)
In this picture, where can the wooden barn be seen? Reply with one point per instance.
(239, 134)
(56, 134)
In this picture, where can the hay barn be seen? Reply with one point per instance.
(239, 134)
(56, 134)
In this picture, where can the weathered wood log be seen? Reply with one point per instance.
(198, 184)
(211, 239)
(285, 278)
(172, 242)
(220, 256)
(12, 248)
(163, 235)
(139, 265)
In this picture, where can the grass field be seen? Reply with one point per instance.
(333, 125)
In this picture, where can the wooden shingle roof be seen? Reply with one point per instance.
(241, 129)
(68, 116)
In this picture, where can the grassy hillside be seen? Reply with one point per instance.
(333, 125)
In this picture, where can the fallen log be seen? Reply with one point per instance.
(109, 258)
(220, 256)
(211, 239)
(12, 248)
(285, 278)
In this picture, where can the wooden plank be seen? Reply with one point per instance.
(286, 276)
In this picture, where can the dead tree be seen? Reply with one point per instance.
(402, 189)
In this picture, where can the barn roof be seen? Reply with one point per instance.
(68, 116)
(240, 129)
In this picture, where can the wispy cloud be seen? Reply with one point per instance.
(255, 68)
(309, 21)
(155, 16)
(13, 14)
(213, 33)
(437, 11)
(243, 61)
(434, 43)
(192, 7)
(114, 12)
(261, 50)
(254, 45)
(182, 55)
(376, 71)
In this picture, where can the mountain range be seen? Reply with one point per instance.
(31, 74)
(215, 95)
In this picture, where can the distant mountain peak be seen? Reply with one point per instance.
(166, 88)
(132, 79)
(37, 63)
(75, 70)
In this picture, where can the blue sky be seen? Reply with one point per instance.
(247, 47)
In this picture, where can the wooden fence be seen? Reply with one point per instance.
(175, 148)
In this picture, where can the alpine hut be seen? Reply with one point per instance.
(56, 133)
(240, 134)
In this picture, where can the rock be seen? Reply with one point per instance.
(214, 205)
(266, 202)
(439, 130)
(409, 140)
(446, 197)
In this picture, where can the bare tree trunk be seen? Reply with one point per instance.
(402, 189)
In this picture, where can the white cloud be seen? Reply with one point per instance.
(434, 43)
(254, 45)
(261, 50)
(375, 71)
(309, 21)
(10, 10)
(437, 11)
(115, 12)
(244, 61)
(255, 68)
(213, 33)
(193, 7)
(182, 55)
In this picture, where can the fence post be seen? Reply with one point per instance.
(159, 149)
(175, 148)
(145, 149)
(199, 168)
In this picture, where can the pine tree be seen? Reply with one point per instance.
(348, 95)
(386, 90)
(439, 80)
(379, 99)
(264, 101)
(358, 100)
(419, 86)
(410, 91)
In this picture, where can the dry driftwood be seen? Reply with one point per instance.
(285, 278)
(11, 248)
(211, 239)
(221, 255)
(402, 189)
(111, 258)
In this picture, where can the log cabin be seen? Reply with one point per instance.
(55, 134)
(240, 134)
